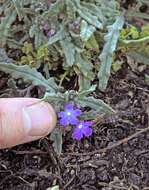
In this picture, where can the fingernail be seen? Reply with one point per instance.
(37, 119)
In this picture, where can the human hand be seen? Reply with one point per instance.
(23, 120)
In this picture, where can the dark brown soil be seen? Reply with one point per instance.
(123, 165)
(116, 157)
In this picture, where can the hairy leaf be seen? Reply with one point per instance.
(85, 92)
(4, 57)
(5, 24)
(56, 99)
(140, 57)
(19, 8)
(37, 34)
(144, 39)
(133, 13)
(147, 77)
(106, 57)
(109, 9)
(92, 43)
(89, 17)
(56, 187)
(57, 37)
(84, 71)
(142, 1)
(69, 50)
(29, 75)
(56, 137)
(79, 98)
(84, 82)
(71, 11)
(55, 8)
(95, 10)
(95, 104)
(86, 30)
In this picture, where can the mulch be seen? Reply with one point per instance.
(116, 157)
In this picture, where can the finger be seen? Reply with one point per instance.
(23, 120)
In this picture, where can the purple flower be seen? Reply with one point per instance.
(69, 115)
(46, 27)
(83, 128)
(50, 33)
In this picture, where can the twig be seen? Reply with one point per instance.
(69, 182)
(118, 143)
(29, 152)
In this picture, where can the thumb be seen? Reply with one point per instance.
(23, 120)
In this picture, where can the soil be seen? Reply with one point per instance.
(116, 157)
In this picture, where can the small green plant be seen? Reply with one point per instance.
(34, 58)
(134, 43)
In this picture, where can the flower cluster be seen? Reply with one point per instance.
(49, 32)
(70, 117)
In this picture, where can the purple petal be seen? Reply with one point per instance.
(77, 134)
(46, 27)
(88, 123)
(61, 114)
(73, 120)
(77, 112)
(87, 131)
(49, 34)
(68, 106)
(64, 122)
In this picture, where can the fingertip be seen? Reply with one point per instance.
(21, 123)
(39, 119)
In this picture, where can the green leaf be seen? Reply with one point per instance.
(56, 137)
(4, 57)
(57, 37)
(19, 8)
(85, 13)
(89, 115)
(84, 82)
(56, 187)
(133, 13)
(106, 57)
(55, 8)
(140, 57)
(5, 24)
(36, 33)
(144, 30)
(142, 1)
(84, 66)
(69, 50)
(80, 98)
(134, 32)
(144, 39)
(87, 91)
(71, 11)
(56, 99)
(95, 104)
(146, 77)
(116, 66)
(29, 75)
(109, 8)
(92, 44)
(84, 72)
(86, 30)
(91, 19)
(95, 10)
